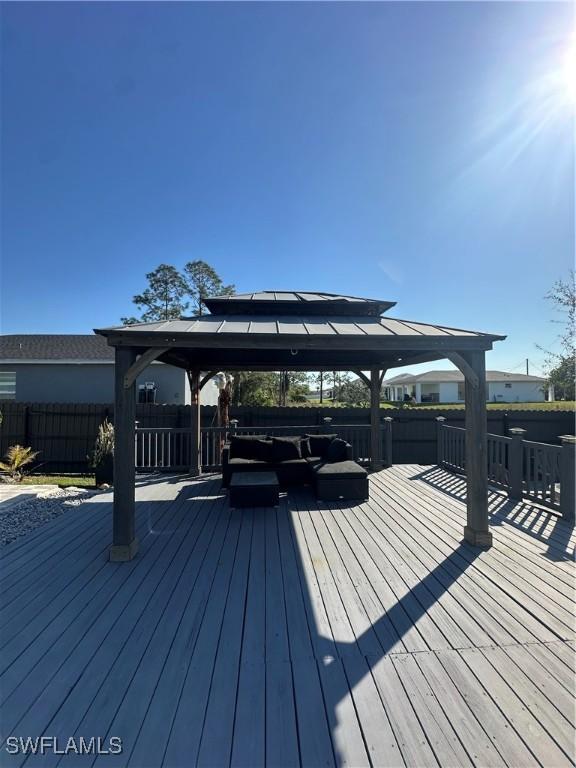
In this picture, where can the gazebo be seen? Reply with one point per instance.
(293, 330)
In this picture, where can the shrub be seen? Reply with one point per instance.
(17, 459)
(104, 445)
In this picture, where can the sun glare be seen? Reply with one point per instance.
(569, 73)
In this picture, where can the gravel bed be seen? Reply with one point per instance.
(20, 519)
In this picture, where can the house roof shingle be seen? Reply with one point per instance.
(55, 346)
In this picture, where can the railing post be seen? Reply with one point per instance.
(440, 420)
(136, 462)
(328, 423)
(516, 463)
(388, 440)
(195, 462)
(567, 477)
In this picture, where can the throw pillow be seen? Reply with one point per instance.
(261, 450)
(319, 444)
(336, 451)
(241, 445)
(305, 447)
(286, 448)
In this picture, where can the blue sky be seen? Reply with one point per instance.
(417, 152)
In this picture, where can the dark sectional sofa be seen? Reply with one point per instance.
(323, 461)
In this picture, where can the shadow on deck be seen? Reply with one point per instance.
(312, 634)
(538, 522)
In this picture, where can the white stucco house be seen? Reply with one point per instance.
(448, 387)
(79, 368)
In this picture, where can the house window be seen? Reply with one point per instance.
(461, 395)
(147, 392)
(7, 385)
(508, 386)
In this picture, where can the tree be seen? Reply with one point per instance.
(563, 295)
(562, 366)
(255, 388)
(562, 378)
(201, 281)
(164, 297)
(354, 392)
(298, 387)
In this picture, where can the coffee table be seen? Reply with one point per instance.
(254, 489)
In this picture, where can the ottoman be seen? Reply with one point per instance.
(341, 480)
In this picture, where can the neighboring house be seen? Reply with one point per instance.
(79, 368)
(448, 387)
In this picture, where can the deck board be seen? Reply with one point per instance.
(360, 634)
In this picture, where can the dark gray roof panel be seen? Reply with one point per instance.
(329, 325)
(292, 325)
(289, 296)
(43, 346)
(291, 302)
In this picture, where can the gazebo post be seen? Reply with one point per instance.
(477, 531)
(195, 452)
(375, 437)
(124, 543)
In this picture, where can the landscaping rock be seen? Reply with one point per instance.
(31, 513)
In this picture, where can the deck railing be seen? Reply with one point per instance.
(541, 472)
(170, 449)
(162, 448)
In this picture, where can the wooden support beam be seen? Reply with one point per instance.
(375, 436)
(477, 530)
(195, 435)
(124, 543)
(461, 362)
(141, 364)
(362, 376)
(206, 378)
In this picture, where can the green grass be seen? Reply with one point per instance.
(63, 481)
(561, 405)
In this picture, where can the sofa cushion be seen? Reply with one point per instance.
(250, 447)
(285, 449)
(261, 450)
(293, 472)
(342, 469)
(319, 444)
(337, 450)
(305, 447)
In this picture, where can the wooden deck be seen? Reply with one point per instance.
(312, 634)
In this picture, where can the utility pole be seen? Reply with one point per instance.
(527, 371)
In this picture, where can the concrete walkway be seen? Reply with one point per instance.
(11, 495)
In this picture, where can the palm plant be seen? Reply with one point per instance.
(17, 459)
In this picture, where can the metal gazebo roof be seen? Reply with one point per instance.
(296, 330)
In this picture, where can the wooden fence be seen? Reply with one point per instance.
(65, 433)
(540, 472)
